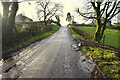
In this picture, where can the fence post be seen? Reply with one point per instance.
(103, 39)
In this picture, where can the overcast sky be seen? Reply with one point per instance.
(69, 6)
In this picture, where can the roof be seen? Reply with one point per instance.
(22, 16)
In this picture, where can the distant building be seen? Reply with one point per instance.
(21, 18)
(117, 24)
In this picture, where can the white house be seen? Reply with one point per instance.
(21, 18)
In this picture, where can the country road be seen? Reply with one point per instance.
(52, 57)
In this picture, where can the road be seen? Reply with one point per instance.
(52, 57)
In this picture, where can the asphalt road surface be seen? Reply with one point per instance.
(52, 57)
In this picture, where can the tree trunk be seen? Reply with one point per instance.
(97, 35)
(8, 23)
(12, 16)
(104, 27)
(5, 17)
(45, 17)
(5, 22)
(45, 23)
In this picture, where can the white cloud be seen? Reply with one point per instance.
(69, 6)
(28, 10)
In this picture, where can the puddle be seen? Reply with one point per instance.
(13, 65)
(9, 70)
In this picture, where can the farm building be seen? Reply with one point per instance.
(117, 23)
(22, 18)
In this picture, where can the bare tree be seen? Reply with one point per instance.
(47, 10)
(103, 12)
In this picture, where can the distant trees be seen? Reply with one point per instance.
(58, 19)
(46, 10)
(103, 12)
(69, 17)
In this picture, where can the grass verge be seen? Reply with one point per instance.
(32, 39)
(107, 60)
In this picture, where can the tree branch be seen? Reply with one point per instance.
(114, 15)
(103, 10)
(108, 5)
(83, 14)
(93, 4)
(112, 8)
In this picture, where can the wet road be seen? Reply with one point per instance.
(52, 57)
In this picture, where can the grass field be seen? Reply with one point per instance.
(111, 35)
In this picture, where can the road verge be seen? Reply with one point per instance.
(106, 60)
(10, 52)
